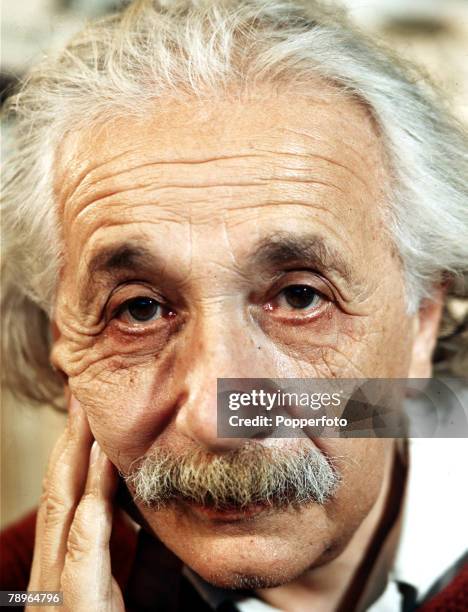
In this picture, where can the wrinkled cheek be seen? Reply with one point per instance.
(126, 409)
(331, 347)
(361, 463)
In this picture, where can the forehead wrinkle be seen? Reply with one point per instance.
(105, 191)
(363, 118)
(160, 162)
(111, 198)
(310, 181)
(309, 156)
(374, 143)
(69, 192)
(87, 180)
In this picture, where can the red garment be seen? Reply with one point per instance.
(454, 598)
(149, 575)
(17, 544)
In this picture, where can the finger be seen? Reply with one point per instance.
(87, 578)
(41, 513)
(64, 486)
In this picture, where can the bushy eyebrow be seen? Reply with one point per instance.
(112, 260)
(124, 256)
(286, 248)
(279, 249)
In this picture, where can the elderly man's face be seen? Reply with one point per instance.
(182, 234)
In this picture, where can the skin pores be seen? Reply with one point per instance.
(212, 211)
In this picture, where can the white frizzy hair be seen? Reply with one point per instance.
(149, 50)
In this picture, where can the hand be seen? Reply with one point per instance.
(74, 523)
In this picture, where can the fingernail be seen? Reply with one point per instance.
(96, 453)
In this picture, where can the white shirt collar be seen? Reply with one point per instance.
(431, 534)
(434, 532)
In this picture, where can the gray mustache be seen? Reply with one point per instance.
(253, 474)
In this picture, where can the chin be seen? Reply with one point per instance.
(267, 551)
(249, 582)
(244, 557)
(236, 574)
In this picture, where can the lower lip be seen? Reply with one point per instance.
(228, 515)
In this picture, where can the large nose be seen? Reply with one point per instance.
(221, 347)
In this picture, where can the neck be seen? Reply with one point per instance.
(338, 584)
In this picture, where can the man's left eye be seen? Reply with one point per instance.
(141, 309)
(299, 297)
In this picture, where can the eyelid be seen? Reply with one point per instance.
(131, 290)
(291, 316)
(309, 278)
(315, 291)
(308, 310)
(306, 277)
(124, 304)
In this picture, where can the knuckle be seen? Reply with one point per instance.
(57, 508)
(79, 534)
(77, 549)
(43, 499)
(79, 544)
(45, 485)
(87, 531)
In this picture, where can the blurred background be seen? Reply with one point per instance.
(433, 33)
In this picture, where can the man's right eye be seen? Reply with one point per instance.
(140, 310)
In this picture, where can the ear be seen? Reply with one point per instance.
(426, 327)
